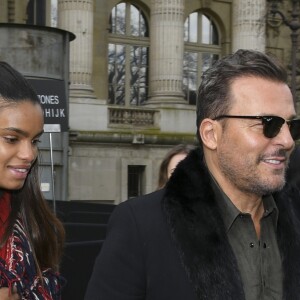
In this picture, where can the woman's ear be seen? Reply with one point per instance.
(208, 133)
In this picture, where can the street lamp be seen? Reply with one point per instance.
(294, 24)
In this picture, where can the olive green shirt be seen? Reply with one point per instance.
(259, 261)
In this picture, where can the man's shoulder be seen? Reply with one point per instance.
(141, 205)
(147, 201)
(143, 210)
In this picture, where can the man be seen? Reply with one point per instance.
(223, 227)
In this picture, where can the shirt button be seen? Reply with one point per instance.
(251, 245)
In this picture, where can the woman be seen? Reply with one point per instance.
(170, 161)
(31, 237)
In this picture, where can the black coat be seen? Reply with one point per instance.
(172, 244)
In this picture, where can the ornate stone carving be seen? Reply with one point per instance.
(131, 117)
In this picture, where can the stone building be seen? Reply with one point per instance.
(134, 69)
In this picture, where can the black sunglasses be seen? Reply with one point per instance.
(271, 124)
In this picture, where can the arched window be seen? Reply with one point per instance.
(128, 56)
(202, 48)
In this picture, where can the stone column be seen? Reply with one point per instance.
(76, 16)
(3, 11)
(166, 51)
(249, 24)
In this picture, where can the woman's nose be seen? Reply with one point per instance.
(28, 151)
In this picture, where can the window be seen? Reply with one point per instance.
(53, 16)
(128, 53)
(36, 12)
(135, 180)
(202, 49)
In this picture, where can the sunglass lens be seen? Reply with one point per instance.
(295, 129)
(272, 126)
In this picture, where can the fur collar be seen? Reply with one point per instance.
(200, 237)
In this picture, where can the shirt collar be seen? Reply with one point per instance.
(230, 212)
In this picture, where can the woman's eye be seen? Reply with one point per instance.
(35, 142)
(10, 139)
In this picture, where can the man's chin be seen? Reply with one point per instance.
(278, 186)
(270, 187)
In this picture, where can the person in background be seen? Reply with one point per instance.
(226, 226)
(293, 171)
(31, 237)
(170, 161)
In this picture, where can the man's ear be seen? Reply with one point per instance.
(208, 133)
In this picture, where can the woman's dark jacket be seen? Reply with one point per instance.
(171, 244)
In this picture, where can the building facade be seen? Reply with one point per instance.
(134, 70)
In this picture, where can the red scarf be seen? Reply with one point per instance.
(17, 264)
(4, 214)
